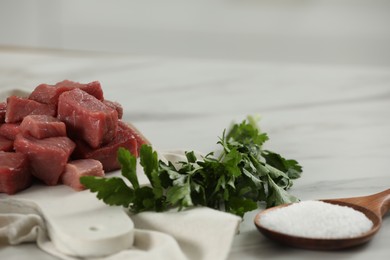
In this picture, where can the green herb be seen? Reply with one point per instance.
(236, 180)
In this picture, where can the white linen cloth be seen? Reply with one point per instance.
(197, 233)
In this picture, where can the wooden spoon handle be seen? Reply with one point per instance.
(378, 203)
(383, 198)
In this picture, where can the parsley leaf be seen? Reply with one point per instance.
(129, 166)
(113, 191)
(278, 195)
(290, 167)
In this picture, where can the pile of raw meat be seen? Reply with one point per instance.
(59, 133)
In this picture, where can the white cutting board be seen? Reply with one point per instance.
(78, 223)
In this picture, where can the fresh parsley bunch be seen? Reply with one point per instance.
(235, 180)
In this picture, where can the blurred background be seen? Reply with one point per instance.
(302, 31)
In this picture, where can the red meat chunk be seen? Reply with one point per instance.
(6, 145)
(93, 88)
(49, 94)
(107, 154)
(14, 173)
(48, 157)
(116, 106)
(75, 169)
(9, 130)
(3, 109)
(42, 126)
(18, 108)
(87, 117)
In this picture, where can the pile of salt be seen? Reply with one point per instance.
(317, 219)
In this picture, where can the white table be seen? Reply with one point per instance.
(334, 120)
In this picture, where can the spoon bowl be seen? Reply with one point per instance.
(373, 206)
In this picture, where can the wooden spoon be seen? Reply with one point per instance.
(374, 207)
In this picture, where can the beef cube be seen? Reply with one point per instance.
(3, 109)
(10, 130)
(48, 157)
(116, 106)
(87, 117)
(93, 88)
(49, 94)
(42, 126)
(107, 154)
(46, 94)
(18, 108)
(14, 173)
(75, 169)
(6, 145)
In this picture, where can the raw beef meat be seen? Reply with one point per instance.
(116, 106)
(48, 157)
(56, 122)
(93, 88)
(87, 117)
(10, 130)
(75, 169)
(18, 108)
(14, 174)
(6, 145)
(49, 94)
(42, 126)
(3, 109)
(107, 154)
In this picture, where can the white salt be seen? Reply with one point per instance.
(317, 219)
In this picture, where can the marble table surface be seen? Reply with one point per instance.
(335, 120)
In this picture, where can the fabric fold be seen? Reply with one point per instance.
(198, 233)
